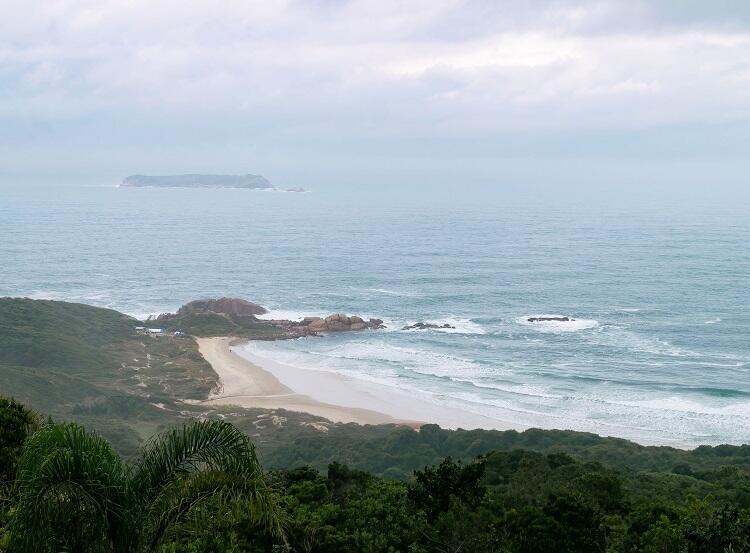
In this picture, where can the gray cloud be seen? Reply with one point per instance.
(367, 79)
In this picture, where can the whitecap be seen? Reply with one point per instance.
(683, 405)
(287, 315)
(388, 292)
(459, 326)
(572, 325)
(713, 321)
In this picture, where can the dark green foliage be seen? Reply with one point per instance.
(16, 421)
(199, 489)
(396, 452)
(76, 494)
(216, 324)
(435, 488)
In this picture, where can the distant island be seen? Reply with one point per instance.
(252, 182)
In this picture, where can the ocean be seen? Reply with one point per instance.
(657, 279)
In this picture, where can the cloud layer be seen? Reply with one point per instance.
(368, 72)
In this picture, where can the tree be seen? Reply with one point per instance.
(76, 494)
(435, 487)
(16, 421)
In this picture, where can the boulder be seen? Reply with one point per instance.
(337, 322)
(317, 325)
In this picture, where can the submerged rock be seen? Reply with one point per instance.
(545, 319)
(425, 326)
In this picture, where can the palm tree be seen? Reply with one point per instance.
(76, 494)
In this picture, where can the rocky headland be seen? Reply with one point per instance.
(238, 317)
(225, 306)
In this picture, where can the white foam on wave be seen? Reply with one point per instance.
(287, 315)
(683, 405)
(367, 356)
(573, 325)
(461, 325)
(713, 321)
(388, 292)
(515, 389)
(622, 338)
(500, 394)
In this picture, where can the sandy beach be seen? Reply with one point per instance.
(248, 385)
(250, 381)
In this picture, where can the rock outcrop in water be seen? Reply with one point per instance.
(339, 322)
(546, 319)
(255, 182)
(237, 317)
(425, 326)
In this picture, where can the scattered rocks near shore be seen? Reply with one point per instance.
(426, 326)
(338, 322)
(546, 319)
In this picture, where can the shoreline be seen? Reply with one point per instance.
(248, 380)
(246, 384)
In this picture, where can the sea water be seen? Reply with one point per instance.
(657, 280)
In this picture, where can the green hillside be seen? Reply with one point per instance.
(83, 363)
(74, 361)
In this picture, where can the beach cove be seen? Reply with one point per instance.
(250, 381)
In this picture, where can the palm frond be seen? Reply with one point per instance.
(182, 468)
(75, 494)
(71, 491)
(182, 498)
(194, 447)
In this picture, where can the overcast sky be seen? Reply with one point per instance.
(307, 92)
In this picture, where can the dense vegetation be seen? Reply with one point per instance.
(215, 324)
(343, 487)
(199, 489)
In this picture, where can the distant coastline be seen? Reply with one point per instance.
(194, 180)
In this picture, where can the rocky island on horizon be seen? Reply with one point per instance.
(194, 180)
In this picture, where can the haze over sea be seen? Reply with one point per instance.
(656, 278)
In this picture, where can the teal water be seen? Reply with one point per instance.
(656, 278)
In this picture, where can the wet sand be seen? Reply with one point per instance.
(248, 380)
